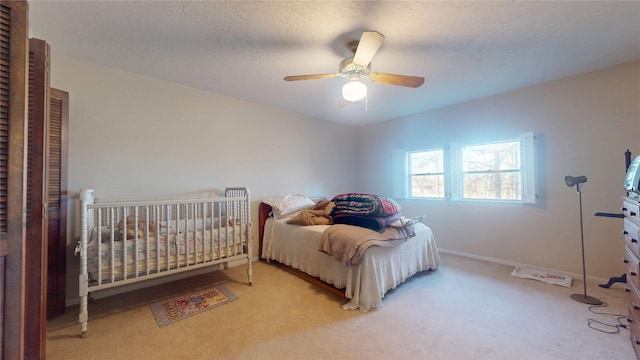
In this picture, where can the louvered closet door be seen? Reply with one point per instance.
(37, 170)
(57, 202)
(13, 135)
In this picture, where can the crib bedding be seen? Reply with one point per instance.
(151, 254)
(380, 269)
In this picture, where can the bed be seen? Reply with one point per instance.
(123, 242)
(381, 268)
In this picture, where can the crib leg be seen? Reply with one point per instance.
(84, 312)
(82, 317)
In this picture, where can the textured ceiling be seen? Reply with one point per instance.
(465, 50)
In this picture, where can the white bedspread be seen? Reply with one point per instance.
(382, 268)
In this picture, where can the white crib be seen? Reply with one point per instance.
(123, 242)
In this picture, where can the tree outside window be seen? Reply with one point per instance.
(492, 171)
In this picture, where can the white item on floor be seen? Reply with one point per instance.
(542, 275)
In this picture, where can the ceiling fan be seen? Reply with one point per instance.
(359, 66)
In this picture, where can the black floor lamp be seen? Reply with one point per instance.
(583, 298)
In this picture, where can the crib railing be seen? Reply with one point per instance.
(123, 242)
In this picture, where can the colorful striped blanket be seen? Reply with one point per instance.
(364, 205)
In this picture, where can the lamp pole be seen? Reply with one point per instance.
(583, 298)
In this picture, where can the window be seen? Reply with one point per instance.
(502, 171)
(491, 171)
(426, 170)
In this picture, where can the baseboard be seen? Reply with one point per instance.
(157, 281)
(153, 282)
(595, 279)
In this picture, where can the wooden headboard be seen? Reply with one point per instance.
(263, 213)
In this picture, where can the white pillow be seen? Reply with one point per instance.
(285, 205)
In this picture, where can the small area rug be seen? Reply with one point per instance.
(542, 275)
(181, 307)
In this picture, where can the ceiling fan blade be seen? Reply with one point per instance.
(393, 79)
(370, 42)
(310, 77)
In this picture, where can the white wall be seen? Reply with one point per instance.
(134, 137)
(585, 123)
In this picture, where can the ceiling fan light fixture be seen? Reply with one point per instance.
(354, 90)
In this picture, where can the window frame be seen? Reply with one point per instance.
(454, 175)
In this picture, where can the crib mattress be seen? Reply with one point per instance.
(157, 253)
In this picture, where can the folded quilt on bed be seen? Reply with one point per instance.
(348, 243)
(364, 204)
(376, 223)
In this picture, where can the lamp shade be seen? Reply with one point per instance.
(354, 90)
(575, 180)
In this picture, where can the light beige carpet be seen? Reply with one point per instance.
(467, 309)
